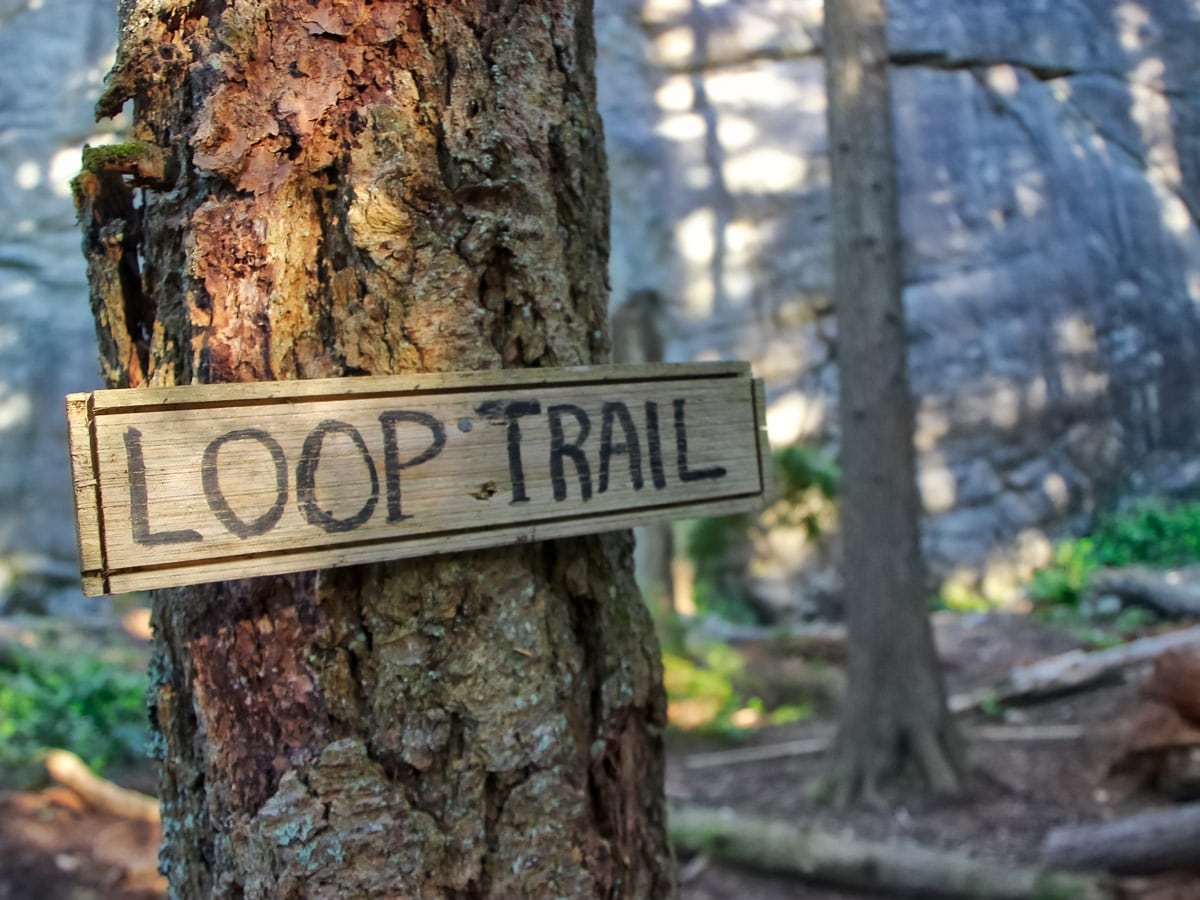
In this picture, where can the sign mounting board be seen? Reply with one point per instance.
(208, 482)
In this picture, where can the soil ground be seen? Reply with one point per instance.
(52, 846)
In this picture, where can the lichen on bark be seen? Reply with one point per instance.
(362, 188)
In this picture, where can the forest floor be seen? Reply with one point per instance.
(52, 847)
(1019, 789)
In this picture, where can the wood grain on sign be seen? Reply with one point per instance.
(209, 482)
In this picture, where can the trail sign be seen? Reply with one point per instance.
(208, 482)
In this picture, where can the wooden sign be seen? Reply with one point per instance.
(210, 482)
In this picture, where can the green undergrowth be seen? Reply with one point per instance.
(80, 701)
(721, 548)
(1150, 532)
(706, 694)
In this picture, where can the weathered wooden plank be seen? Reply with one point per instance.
(227, 481)
(88, 532)
(402, 385)
(765, 462)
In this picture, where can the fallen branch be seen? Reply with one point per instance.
(1173, 593)
(71, 772)
(813, 746)
(1144, 844)
(893, 868)
(818, 744)
(1073, 670)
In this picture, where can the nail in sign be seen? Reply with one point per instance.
(202, 483)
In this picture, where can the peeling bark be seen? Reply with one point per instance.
(363, 188)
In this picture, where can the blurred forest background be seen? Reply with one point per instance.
(1048, 162)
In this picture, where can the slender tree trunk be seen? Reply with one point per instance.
(895, 712)
(334, 189)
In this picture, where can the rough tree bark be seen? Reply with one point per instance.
(333, 189)
(895, 711)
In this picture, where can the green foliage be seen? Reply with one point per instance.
(724, 602)
(807, 482)
(961, 599)
(992, 707)
(1151, 532)
(806, 486)
(789, 713)
(1066, 579)
(77, 702)
(704, 694)
(1097, 629)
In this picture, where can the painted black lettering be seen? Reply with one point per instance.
(139, 503)
(654, 446)
(306, 478)
(392, 466)
(560, 448)
(216, 497)
(681, 451)
(511, 414)
(630, 447)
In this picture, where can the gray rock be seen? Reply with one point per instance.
(54, 54)
(1049, 168)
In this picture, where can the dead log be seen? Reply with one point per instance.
(1074, 670)
(1174, 593)
(71, 772)
(892, 868)
(1150, 842)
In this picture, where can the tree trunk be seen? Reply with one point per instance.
(895, 711)
(321, 189)
(637, 336)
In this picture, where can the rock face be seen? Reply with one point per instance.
(55, 54)
(1050, 184)
(1049, 161)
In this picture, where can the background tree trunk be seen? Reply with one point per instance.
(320, 189)
(895, 711)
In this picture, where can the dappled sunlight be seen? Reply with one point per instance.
(765, 169)
(1030, 195)
(694, 236)
(736, 132)
(28, 175)
(766, 89)
(676, 94)
(1075, 334)
(937, 484)
(1131, 20)
(796, 417)
(1176, 217)
(675, 46)
(682, 127)
(932, 424)
(18, 287)
(55, 174)
(1003, 80)
(16, 408)
(1056, 489)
